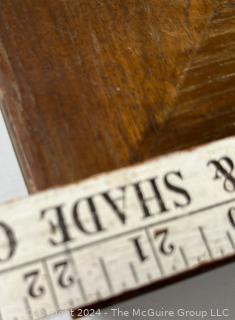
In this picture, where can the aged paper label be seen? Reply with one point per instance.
(73, 246)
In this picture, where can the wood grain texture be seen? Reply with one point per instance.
(90, 86)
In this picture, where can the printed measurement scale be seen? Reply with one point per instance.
(75, 246)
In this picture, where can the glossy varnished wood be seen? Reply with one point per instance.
(89, 86)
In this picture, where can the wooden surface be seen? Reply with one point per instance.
(89, 86)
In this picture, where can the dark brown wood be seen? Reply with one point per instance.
(92, 85)
(88, 86)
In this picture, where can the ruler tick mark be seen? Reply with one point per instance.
(82, 290)
(149, 276)
(106, 274)
(222, 251)
(134, 273)
(49, 280)
(28, 308)
(230, 239)
(74, 268)
(205, 241)
(71, 303)
(184, 257)
(155, 253)
(174, 267)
